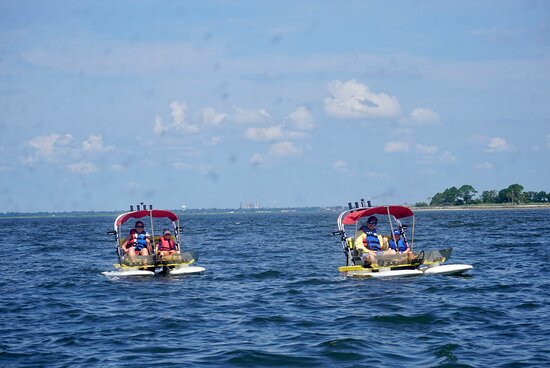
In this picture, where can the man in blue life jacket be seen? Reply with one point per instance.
(137, 242)
(368, 241)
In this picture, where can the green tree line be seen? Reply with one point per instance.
(466, 194)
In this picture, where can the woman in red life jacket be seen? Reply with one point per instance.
(166, 245)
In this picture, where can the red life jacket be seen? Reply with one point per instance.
(165, 245)
(133, 235)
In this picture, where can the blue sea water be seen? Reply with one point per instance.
(272, 296)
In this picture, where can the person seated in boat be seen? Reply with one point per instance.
(166, 246)
(398, 243)
(138, 242)
(368, 241)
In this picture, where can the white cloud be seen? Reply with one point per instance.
(256, 160)
(82, 167)
(46, 145)
(181, 165)
(179, 115)
(284, 149)
(375, 175)
(159, 128)
(265, 134)
(484, 166)
(214, 141)
(246, 116)
(423, 116)
(355, 100)
(209, 116)
(102, 57)
(178, 111)
(118, 167)
(302, 119)
(340, 165)
(429, 172)
(94, 143)
(495, 34)
(448, 157)
(396, 147)
(428, 150)
(497, 144)
(294, 134)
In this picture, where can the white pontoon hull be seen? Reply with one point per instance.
(450, 269)
(187, 270)
(126, 273)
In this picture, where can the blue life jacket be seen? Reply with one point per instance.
(373, 243)
(401, 246)
(140, 241)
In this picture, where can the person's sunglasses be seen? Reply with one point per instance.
(139, 226)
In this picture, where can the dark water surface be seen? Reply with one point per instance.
(272, 296)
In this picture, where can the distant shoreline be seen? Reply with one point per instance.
(218, 211)
(484, 207)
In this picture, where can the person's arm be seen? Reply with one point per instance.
(383, 242)
(125, 244)
(148, 243)
(359, 243)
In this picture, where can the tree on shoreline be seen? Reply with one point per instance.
(514, 194)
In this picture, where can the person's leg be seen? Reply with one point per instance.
(131, 254)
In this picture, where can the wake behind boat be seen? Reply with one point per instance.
(371, 254)
(146, 253)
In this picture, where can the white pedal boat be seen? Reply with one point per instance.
(387, 262)
(179, 262)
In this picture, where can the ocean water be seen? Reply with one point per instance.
(272, 296)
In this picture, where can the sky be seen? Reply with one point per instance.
(210, 104)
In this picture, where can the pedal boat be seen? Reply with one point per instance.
(179, 263)
(388, 264)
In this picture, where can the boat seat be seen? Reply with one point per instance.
(355, 256)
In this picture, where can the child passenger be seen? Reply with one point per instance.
(166, 246)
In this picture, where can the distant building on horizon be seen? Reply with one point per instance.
(249, 205)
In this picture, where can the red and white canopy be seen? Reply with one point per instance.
(121, 219)
(396, 211)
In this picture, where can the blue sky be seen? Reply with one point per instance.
(288, 103)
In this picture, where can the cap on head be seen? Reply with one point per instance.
(372, 220)
(166, 231)
(397, 232)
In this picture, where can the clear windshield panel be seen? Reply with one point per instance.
(435, 256)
